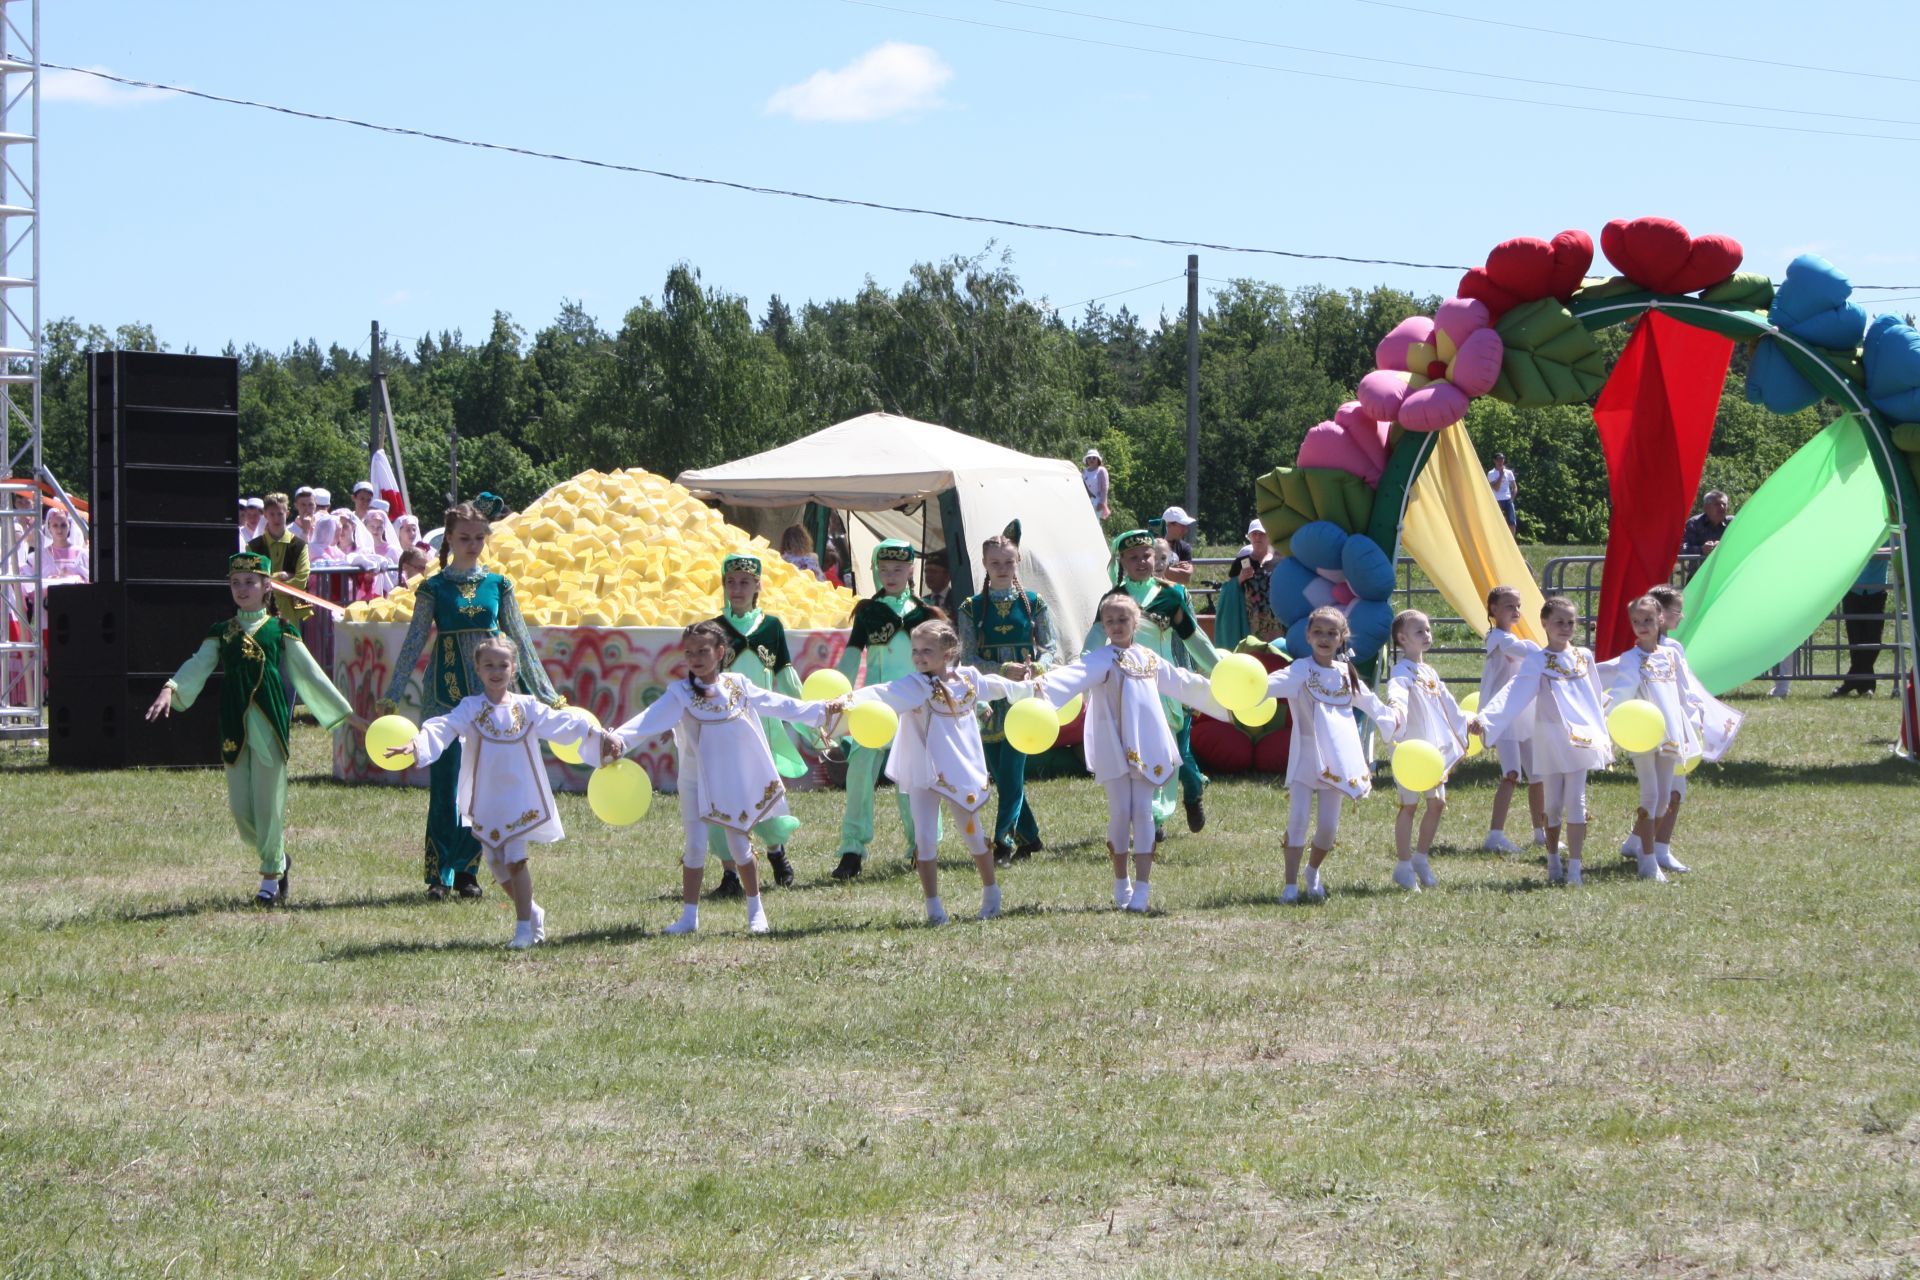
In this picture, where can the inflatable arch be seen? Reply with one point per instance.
(1394, 468)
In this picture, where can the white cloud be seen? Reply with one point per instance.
(891, 79)
(92, 91)
(398, 297)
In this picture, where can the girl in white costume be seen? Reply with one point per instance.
(1717, 723)
(1130, 750)
(727, 775)
(1657, 673)
(937, 754)
(1559, 689)
(1427, 713)
(504, 797)
(1505, 653)
(1325, 757)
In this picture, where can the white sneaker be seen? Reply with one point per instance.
(1650, 869)
(989, 913)
(1540, 837)
(1781, 688)
(1122, 893)
(539, 923)
(685, 924)
(1670, 863)
(1318, 889)
(936, 915)
(1424, 869)
(1630, 847)
(757, 922)
(1497, 842)
(1573, 873)
(1290, 895)
(1405, 877)
(522, 935)
(1555, 875)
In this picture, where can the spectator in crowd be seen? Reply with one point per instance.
(322, 501)
(380, 537)
(406, 532)
(1093, 474)
(1704, 531)
(250, 520)
(938, 579)
(830, 566)
(1505, 490)
(286, 553)
(363, 496)
(303, 503)
(63, 552)
(1179, 527)
(414, 562)
(796, 548)
(1244, 606)
(1865, 610)
(350, 548)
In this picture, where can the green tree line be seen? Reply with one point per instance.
(694, 378)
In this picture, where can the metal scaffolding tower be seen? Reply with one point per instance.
(23, 668)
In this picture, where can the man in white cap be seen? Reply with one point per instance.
(1093, 474)
(1178, 525)
(252, 512)
(363, 495)
(302, 503)
(322, 502)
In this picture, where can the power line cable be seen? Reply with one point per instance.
(1408, 88)
(848, 202)
(1118, 292)
(1635, 44)
(1458, 71)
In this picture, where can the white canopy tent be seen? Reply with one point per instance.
(898, 477)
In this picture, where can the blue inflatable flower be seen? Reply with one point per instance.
(1329, 566)
(1812, 305)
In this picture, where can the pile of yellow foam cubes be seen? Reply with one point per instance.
(630, 549)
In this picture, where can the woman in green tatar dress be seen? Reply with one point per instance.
(757, 643)
(465, 604)
(1006, 623)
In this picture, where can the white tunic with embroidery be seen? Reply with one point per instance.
(1505, 653)
(1326, 750)
(1427, 711)
(727, 775)
(1717, 723)
(938, 745)
(1560, 692)
(503, 795)
(1126, 729)
(1659, 678)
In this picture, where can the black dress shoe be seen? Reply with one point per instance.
(849, 866)
(1159, 835)
(1002, 854)
(436, 892)
(466, 884)
(280, 895)
(1196, 814)
(265, 898)
(1024, 849)
(729, 886)
(782, 868)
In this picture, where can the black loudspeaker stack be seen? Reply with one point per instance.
(164, 461)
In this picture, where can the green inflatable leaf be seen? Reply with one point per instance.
(1746, 291)
(1288, 497)
(1551, 358)
(1787, 558)
(1906, 437)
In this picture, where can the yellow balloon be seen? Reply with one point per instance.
(620, 793)
(1260, 713)
(1474, 745)
(1471, 703)
(1071, 712)
(1418, 766)
(872, 724)
(570, 751)
(1691, 763)
(1637, 725)
(1032, 726)
(825, 685)
(1239, 681)
(388, 732)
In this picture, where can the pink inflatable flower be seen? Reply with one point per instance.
(1352, 442)
(1430, 369)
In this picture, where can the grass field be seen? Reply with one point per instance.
(1720, 1077)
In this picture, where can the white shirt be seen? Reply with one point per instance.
(937, 747)
(1326, 750)
(1505, 653)
(1127, 729)
(1501, 478)
(504, 796)
(1562, 695)
(1659, 677)
(1427, 710)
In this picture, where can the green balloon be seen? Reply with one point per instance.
(1788, 557)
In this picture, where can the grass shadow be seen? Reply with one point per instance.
(223, 904)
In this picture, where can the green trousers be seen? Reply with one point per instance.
(1191, 781)
(863, 773)
(772, 834)
(451, 847)
(257, 794)
(1012, 815)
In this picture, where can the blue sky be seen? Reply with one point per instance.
(213, 222)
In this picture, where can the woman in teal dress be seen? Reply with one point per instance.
(464, 604)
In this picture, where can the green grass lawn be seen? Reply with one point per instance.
(1720, 1077)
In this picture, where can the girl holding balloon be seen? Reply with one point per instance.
(1668, 745)
(1428, 714)
(503, 795)
(1130, 748)
(728, 779)
(1505, 653)
(1559, 686)
(1006, 623)
(937, 754)
(1326, 758)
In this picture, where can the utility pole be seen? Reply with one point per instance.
(1193, 383)
(373, 397)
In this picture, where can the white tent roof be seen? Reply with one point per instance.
(882, 461)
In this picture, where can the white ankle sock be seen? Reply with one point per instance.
(1553, 866)
(1539, 835)
(1122, 892)
(689, 919)
(1142, 889)
(753, 906)
(1422, 868)
(269, 884)
(936, 914)
(990, 899)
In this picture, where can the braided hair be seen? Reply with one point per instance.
(1001, 542)
(458, 514)
(714, 633)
